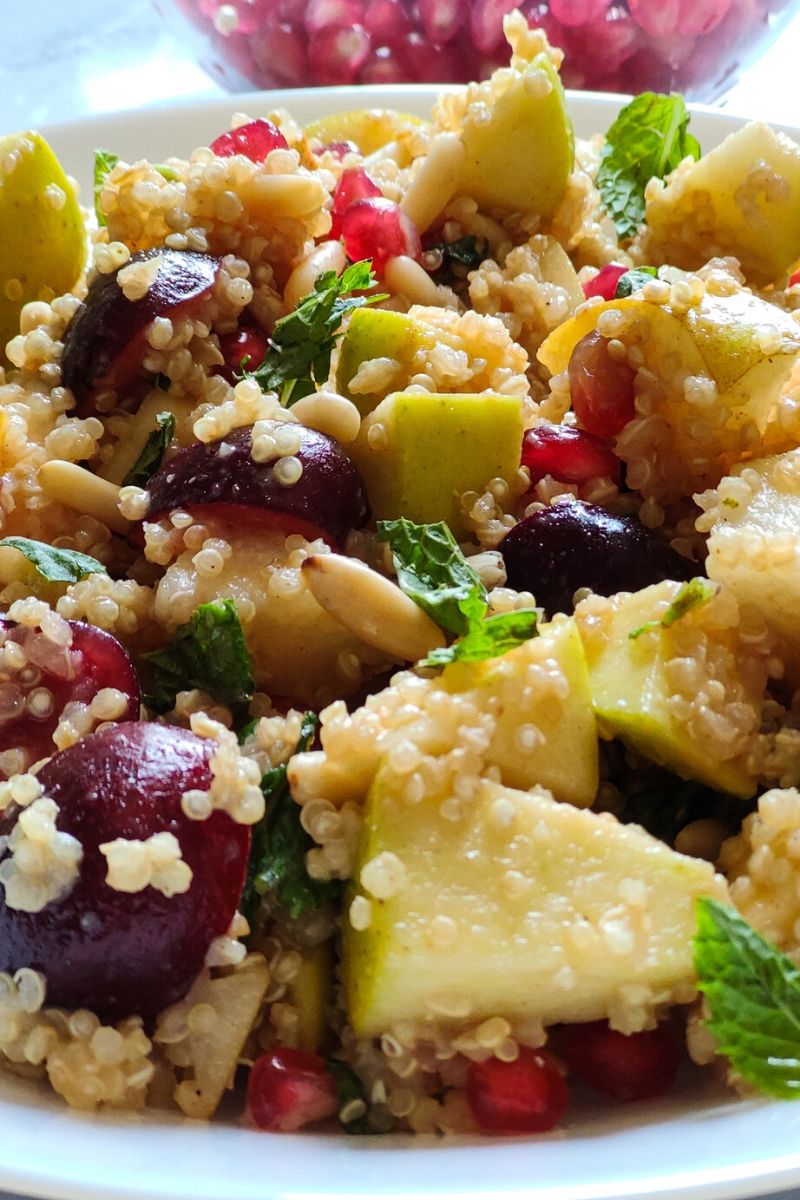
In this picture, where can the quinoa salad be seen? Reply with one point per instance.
(399, 668)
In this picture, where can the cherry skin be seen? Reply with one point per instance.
(601, 387)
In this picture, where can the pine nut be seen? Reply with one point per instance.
(282, 195)
(404, 277)
(371, 607)
(86, 493)
(329, 256)
(330, 413)
(435, 181)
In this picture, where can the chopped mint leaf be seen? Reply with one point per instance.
(694, 594)
(53, 563)
(168, 173)
(153, 452)
(209, 653)
(349, 1087)
(466, 253)
(648, 139)
(104, 163)
(488, 639)
(753, 997)
(299, 356)
(634, 281)
(432, 570)
(280, 844)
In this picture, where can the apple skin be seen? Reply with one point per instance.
(329, 496)
(105, 341)
(119, 953)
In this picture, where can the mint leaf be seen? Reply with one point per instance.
(466, 253)
(153, 452)
(104, 163)
(488, 639)
(753, 997)
(299, 357)
(634, 281)
(432, 570)
(349, 1087)
(694, 594)
(279, 847)
(648, 139)
(209, 653)
(53, 563)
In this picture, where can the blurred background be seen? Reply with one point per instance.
(64, 59)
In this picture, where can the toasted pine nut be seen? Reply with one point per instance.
(328, 256)
(404, 277)
(703, 838)
(371, 607)
(330, 413)
(86, 493)
(435, 181)
(282, 195)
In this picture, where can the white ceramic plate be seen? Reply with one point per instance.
(699, 1144)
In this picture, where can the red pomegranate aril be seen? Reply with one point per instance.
(794, 279)
(579, 12)
(291, 10)
(339, 150)
(279, 51)
(637, 1066)
(383, 67)
(354, 184)
(242, 349)
(486, 23)
(255, 140)
(528, 1095)
(604, 283)
(336, 53)
(601, 387)
(442, 19)
(320, 14)
(696, 18)
(386, 21)
(378, 229)
(569, 455)
(288, 1089)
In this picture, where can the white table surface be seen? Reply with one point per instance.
(65, 58)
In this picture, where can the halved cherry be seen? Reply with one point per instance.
(115, 952)
(105, 342)
(328, 494)
(49, 676)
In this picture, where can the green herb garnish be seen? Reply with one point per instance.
(349, 1087)
(432, 570)
(153, 452)
(634, 281)
(460, 257)
(753, 997)
(693, 594)
(299, 357)
(280, 844)
(104, 163)
(649, 139)
(53, 563)
(208, 653)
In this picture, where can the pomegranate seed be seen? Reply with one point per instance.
(337, 53)
(638, 1066)
(569, 455)
(699, 17)
(525, 1096)
(384, 67)
(291, 10)
(425, 63)
(288, 1089)
(378, 229)
(601, 387)
(578, 12)
(339, 150)
(539, 15)
(656, 19)
(279, 51)
(243, 349)
(354, 184)
(386, 21)
(255, 141)
(605, 282)
(794, 279)
(442, 19)
(486, 23)
(612, 39)
(320, 14)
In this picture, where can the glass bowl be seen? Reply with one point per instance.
(697, 47)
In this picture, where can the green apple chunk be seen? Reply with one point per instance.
(545, 731)
(377, 333)
(520, 149)
(521, 907)
(742, 198)
(419, 452)
(730, 332)
(310, 992)
(42, 235)
(685, 692)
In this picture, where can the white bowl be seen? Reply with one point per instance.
(700, 1143)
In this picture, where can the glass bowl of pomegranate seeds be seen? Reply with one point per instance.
(399, 657)
(697, 47)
